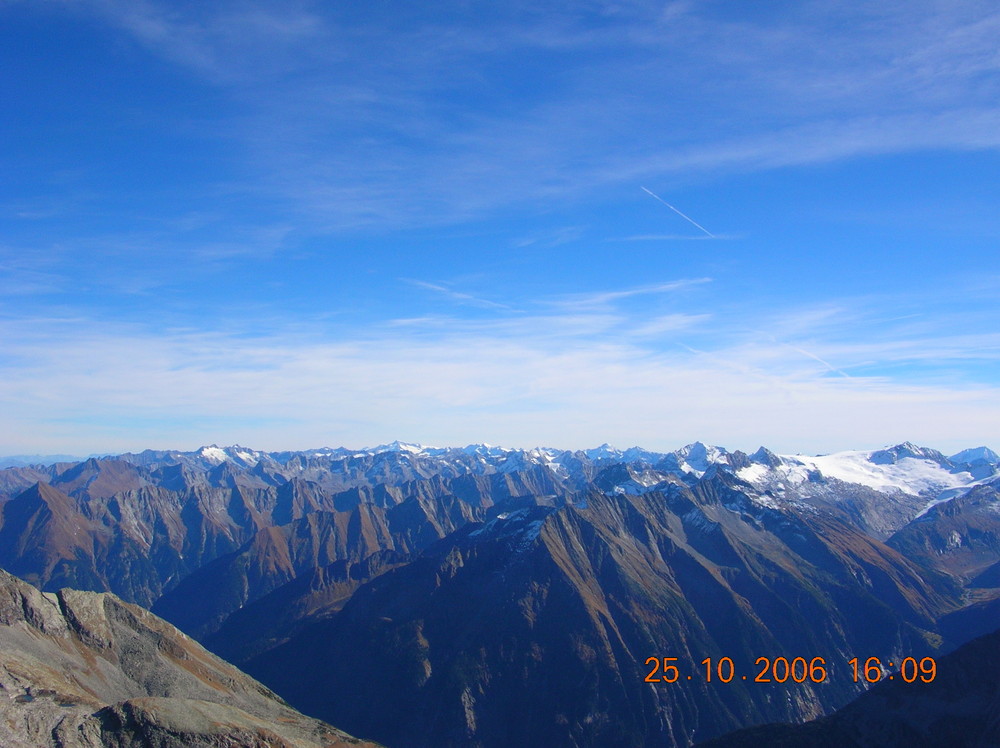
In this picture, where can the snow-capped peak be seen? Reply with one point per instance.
(213, 453)
(398, 446)
(976, 454)
(697, 457)
(235, 453)
(605, 451)
(902, 451)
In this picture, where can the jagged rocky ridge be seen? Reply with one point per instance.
(87, 669)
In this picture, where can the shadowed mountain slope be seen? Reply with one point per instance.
(960, 708)
(535, 627)
(277, 616)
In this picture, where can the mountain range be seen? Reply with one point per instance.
(502, 596)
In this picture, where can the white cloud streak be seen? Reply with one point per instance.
(458, 296)
(604, 298)
(687, 218)
(552, 377)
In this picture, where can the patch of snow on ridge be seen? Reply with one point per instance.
(217, 455)
(640, 483)
(941, 498)
(490, 526)
(484, 450)
(753, 473)
(515, 526)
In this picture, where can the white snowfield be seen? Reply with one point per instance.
(217, 455)
(213, 454)
(914, 476)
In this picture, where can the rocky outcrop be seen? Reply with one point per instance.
(87, 669)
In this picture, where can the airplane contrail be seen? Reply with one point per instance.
(689, 220)
(813, 356)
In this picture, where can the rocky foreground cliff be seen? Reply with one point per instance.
(87, 669)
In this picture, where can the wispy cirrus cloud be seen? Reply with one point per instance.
(230, 44)
(552, 376)
(356, 123)
(672, 237)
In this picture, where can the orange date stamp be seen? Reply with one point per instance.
(795, 670)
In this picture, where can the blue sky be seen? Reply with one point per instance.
(297, 224)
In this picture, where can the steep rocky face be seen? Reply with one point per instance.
(87, 669)
(14, 479)
(960, 537)
(960, 708)
(535, 627)
(136, 543)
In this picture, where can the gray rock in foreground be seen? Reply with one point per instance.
(87, 669)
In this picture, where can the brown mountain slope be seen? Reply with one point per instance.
(276, 555)
(136, 526)
(136, 543)
(87, 669)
